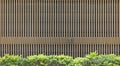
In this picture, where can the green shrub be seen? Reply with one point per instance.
(92, 59)
(10, 60)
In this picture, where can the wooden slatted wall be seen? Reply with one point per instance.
(35, 26)
(60, 18)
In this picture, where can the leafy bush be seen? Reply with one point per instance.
(60, 60)
(37, 60)
(92, 59)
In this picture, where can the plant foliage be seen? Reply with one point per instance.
(92, 59)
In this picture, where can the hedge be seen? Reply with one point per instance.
(92, 59)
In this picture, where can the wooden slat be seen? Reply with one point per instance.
(44, 40)
(1, 7)
(119, 18)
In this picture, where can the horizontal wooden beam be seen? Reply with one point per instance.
(59, 40)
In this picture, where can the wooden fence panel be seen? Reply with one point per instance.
(70, 27)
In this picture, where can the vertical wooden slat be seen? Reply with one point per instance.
(98, 12)
(103, 19)
(78, 18)
(32, 20)
(55, 17)
(73, 22)
(22, 50)
(22, 26)
(46, 20)
(48, 15)
(20, 17)
(119, 18)
(16, 22)
(6, 18)
(118, 49)
(2, 49)
(94, 31)
(64, 17)
(53, 26)
(87, 17)
(114, 17)
(41, 32)
(0, 16)
(96, 19)
(107, 18)
(35, 17)
(18, 31)
(15, 49)
(14, 17)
